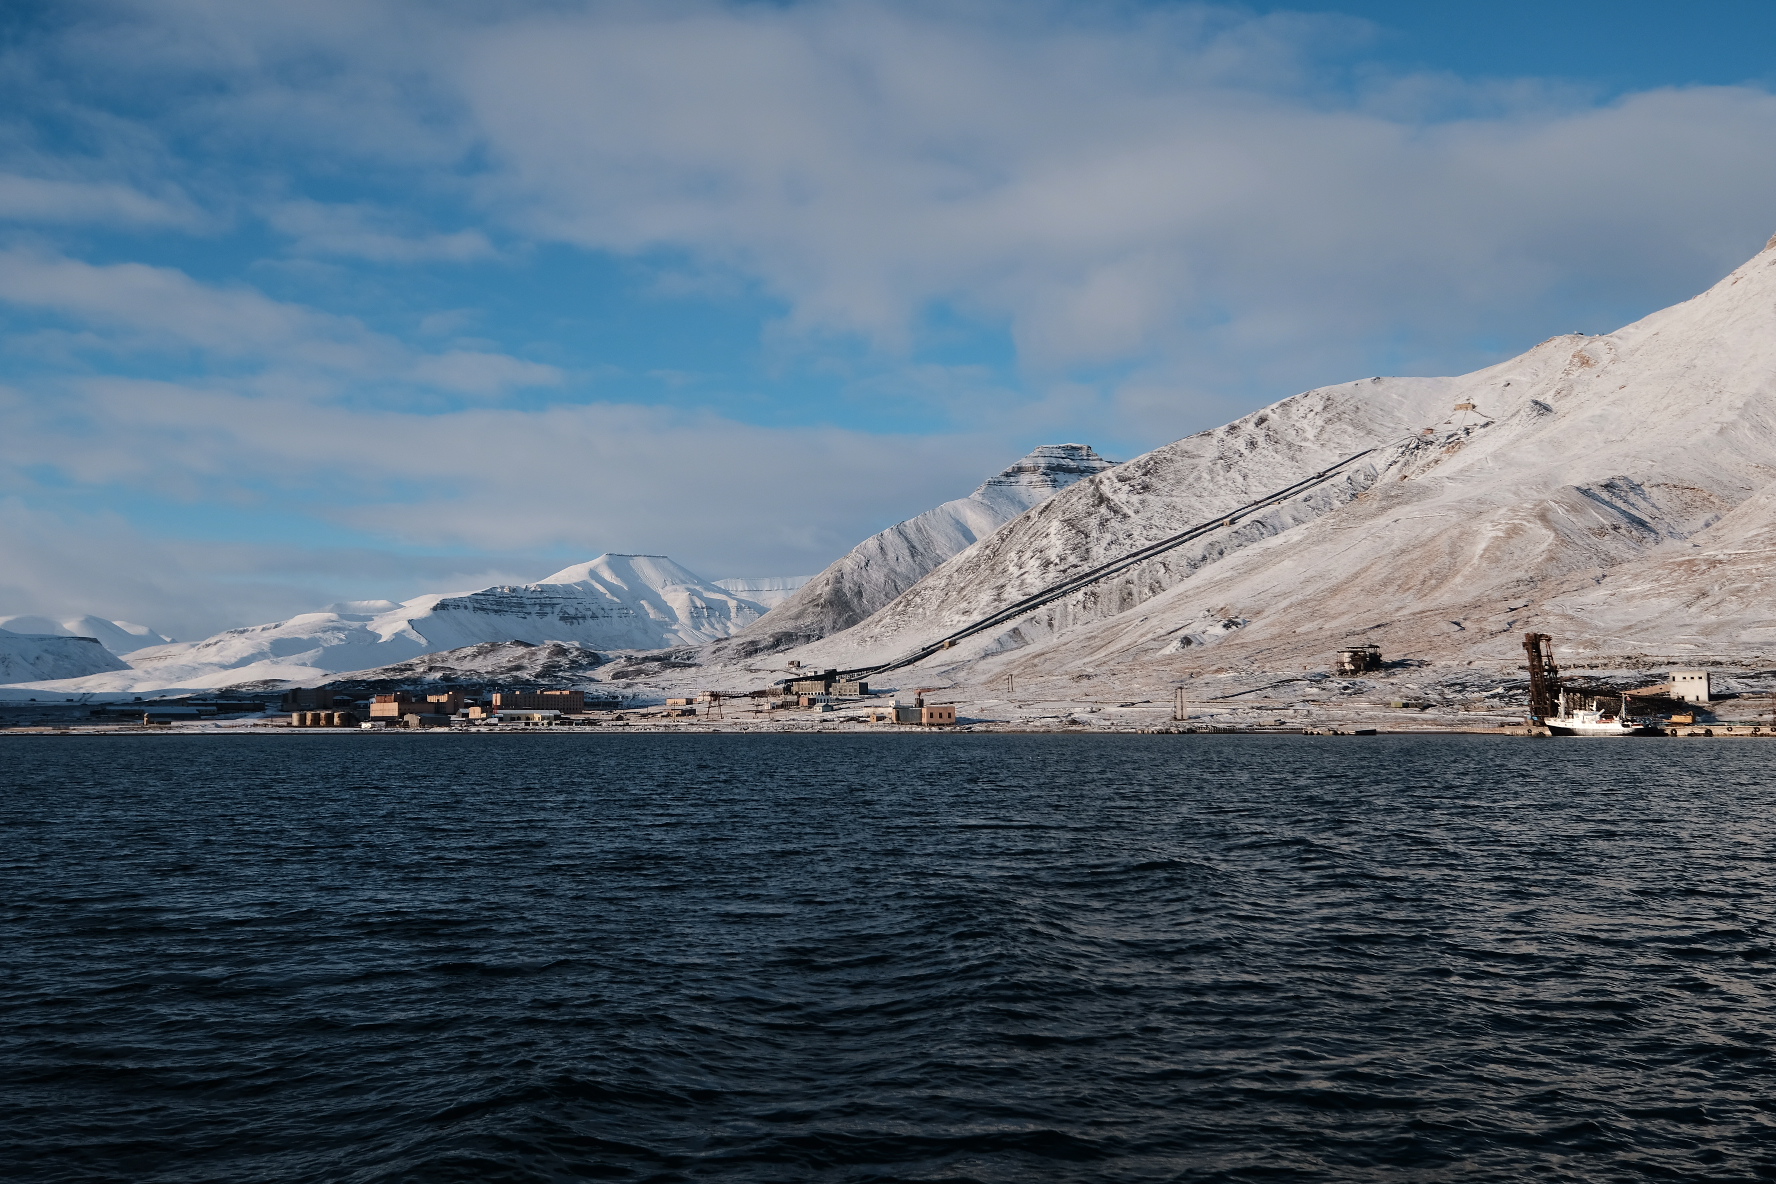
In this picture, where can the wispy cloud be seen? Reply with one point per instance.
(364, 232)
(50, 200)
(135, 307)
(1169, 212)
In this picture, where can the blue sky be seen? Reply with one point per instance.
(343, 300)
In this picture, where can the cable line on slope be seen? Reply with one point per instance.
(1103, 571)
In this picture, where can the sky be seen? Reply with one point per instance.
(361, 299)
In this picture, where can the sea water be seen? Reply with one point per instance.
(885, 958)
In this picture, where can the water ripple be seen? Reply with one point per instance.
(894, 958)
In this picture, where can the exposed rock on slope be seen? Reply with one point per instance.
(28, 657)
(613, 602)
(765, 591)
(1617, 489)
(492, 663)
(886, 564)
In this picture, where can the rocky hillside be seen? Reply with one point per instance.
(1615, 490)
(884, 565)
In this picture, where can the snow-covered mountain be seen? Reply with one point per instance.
(765, 591)
(1618, 491)
(614, 602)
(120, 637)
(28, 657)
(886, 564)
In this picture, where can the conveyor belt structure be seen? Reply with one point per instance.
(1104, 571)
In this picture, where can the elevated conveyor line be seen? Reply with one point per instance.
(1104, 571)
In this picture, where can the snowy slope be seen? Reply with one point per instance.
(26, 658)
(765, 591)
(885, 565)
(1616, 490)
(120, 637)
(612, 602)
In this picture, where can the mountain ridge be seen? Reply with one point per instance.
(1508, 493)
(887, 563)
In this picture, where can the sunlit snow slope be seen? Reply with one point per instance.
(120, 637)
(886, 564)
(1616, 490)
(26, 658)
(612, 602)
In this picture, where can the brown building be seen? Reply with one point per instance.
(392, 706)
(308, 699)
(566, 702)
(941, 715)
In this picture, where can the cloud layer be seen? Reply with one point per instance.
(304, 261)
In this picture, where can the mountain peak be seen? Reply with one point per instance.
(1049, 467)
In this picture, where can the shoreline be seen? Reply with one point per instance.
(1715, 732)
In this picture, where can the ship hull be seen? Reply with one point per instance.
(1610, 729)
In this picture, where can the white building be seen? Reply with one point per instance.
(1690, 685)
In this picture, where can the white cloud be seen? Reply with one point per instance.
(61, 562)
(1176, 187)
(1103, 187)
(164, 306)
(49, 200)
(470, 372)
(604, 476)
(132, 306)
(1173, 194)
(363, 232)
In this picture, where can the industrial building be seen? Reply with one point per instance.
(1359, 659)
(1691, 686)
(565, 702)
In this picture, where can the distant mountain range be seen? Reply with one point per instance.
(612, 603)
(1616, 491)
(624, 602)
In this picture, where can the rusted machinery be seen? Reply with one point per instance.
(1544, 677)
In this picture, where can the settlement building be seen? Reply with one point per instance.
(1690, 685)
(565, 702)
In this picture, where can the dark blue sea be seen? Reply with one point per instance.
(372, 958)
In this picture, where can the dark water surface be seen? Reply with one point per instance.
(906, 957)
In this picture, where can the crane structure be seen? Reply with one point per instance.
(1544, 677)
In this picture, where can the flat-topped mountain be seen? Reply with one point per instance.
(120, 637)
(33, 657)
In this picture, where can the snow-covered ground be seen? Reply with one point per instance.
(29, 657)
